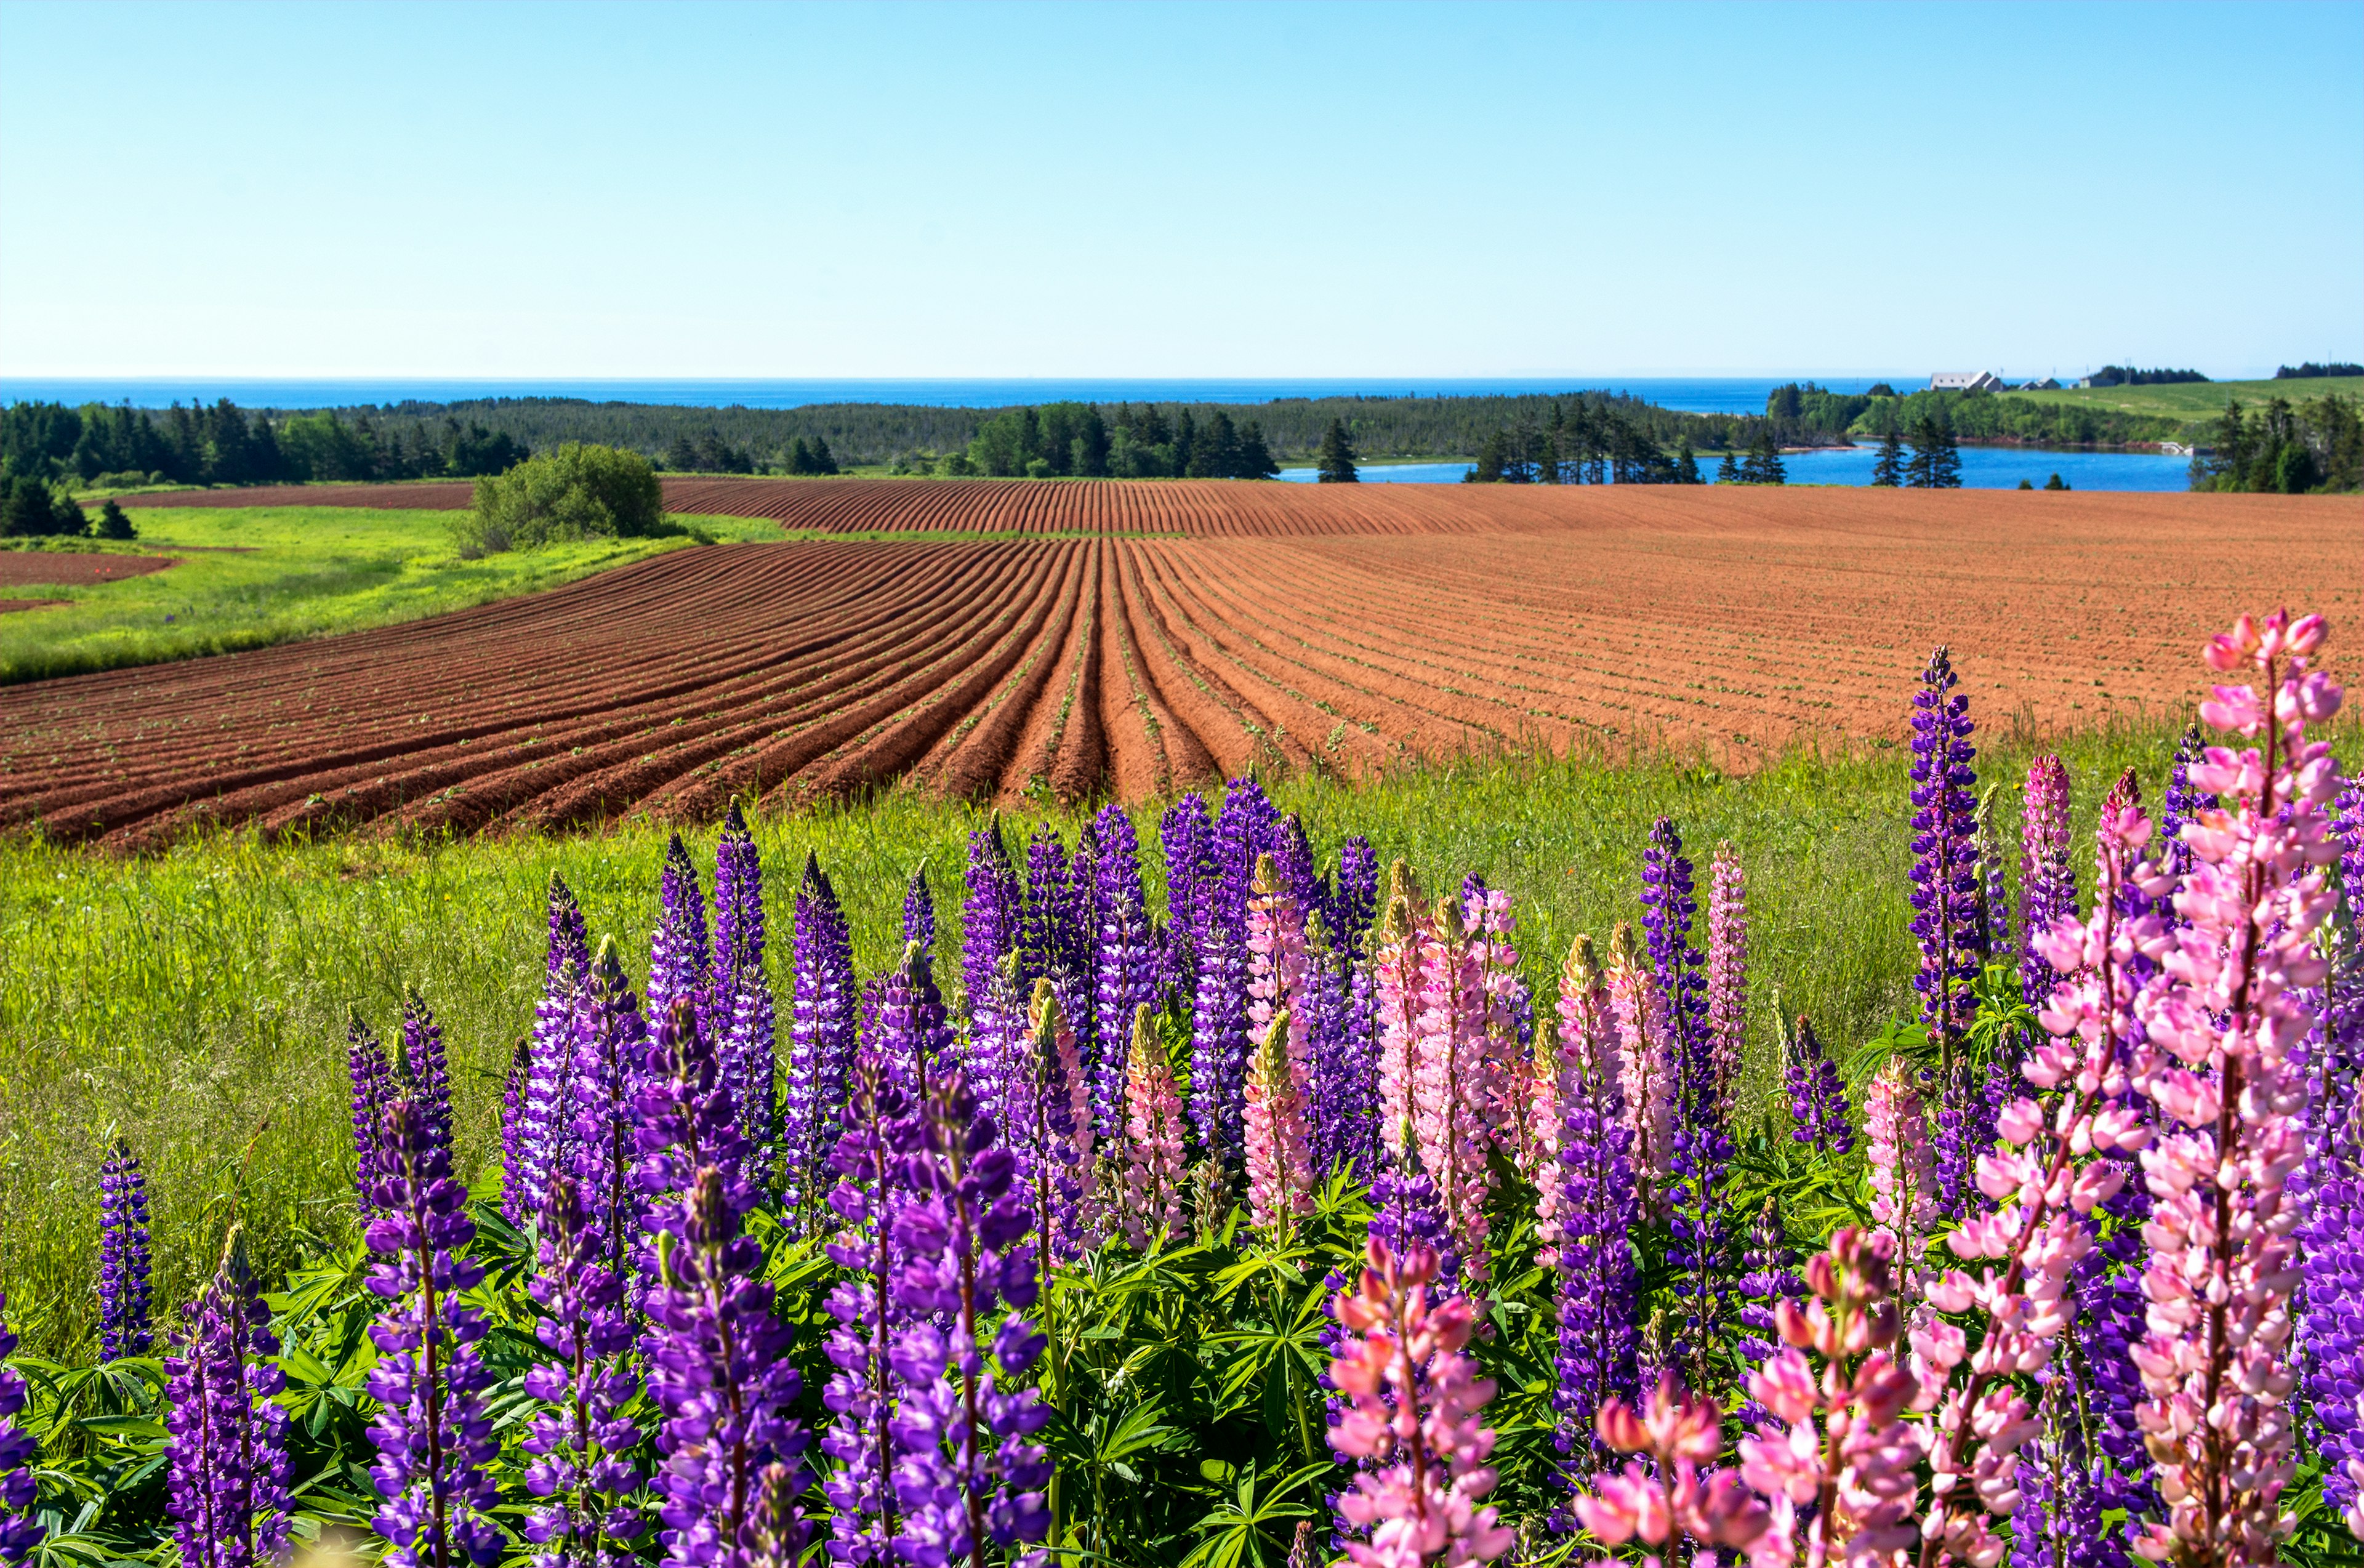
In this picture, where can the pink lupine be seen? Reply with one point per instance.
(1279, 1143)
(1409, 1410)
(1674, 1498)
(1280, 974)
(1150, 1194)
(1501, 1064)
(2219, 1021)
(1727, 968)
(1837, 1440)
(1564, 1066)
(1904, 1175)
(1645, 1062)
(1451, 1084)
(1396, 967)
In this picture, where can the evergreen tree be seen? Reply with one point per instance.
(1687, 464)
(1727, 471)
(1890, 470)
(1493, 460)
(2056, 482)
(1337, 459)
(1186, 444)
(1255, 458)
(1920, 472)
(682, 458)
(823, 460)
(1764, 465)
(113, 523)
(1945, 465)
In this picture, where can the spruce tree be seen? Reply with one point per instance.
(1255, 458)
(1727, 471)
(1946, 464)
(1336, 462)
(1493, 457)
(1687, 464)
(113, 523)
(1888, 471)
(1920, 473)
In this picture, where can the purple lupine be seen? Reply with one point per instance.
(1186, 835)
(2183, 805)
(420, 1070)
(721, 1373)
(1946, 894)
(1125, 962)
(123, 1289)
(1768, 1279)
(910, 1031)
(992, 918)
(541, 1138)
(2057, 1523)
(433, 1433)
(227, 1486)
(1405, 1209)
(2110, 1325)
(1598, 1292)
(1358, 898)
(738, 900)
(371, 1076)
(1044, 943)
(1667, 907)
(517, 1090)
(861, 1394)
(919, 912)
(821, 1032)
(1244, 829)
(678, 960)
(19, 1530)
(1293, 862)
(610, 1051)
(2331, 1247)
(1343, 1067)
(582, 1438)
(738, 1004)
(1818, 1103)
(683, 1120)
(1039, 1126)
(967, 1473)
(1082, 920)
(2048, 882)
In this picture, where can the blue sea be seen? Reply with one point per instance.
(1697, 394)
(1983, 468)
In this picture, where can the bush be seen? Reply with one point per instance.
(31, 509)
(576, 492)
(113, 523)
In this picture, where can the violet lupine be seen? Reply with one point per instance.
(1946, 918)
(2220, 1027)
(1219, 1057)
(968, 1474)
(517, 1088)
(2058, 1522)
(1668, 909)
(1150, 1194)
(2048, 883)
(1836, 1459)
(1357, 898)
(1275, 1122)
(1645, 1066)
(421, 1071)
(433, 1432)
(1341, 1104)
(822, 1035)
(123, 1288)
(1765, 1282)
(2182, 803)
(859, 1395)
(543, 1139)
(1413, 1412)
(227, 1486)
(19, 1530)
(1406, 1212)
(679, 962)
(582, 1439)
(992, 918)
(1817, 1104)
(2047, 1176)
(2330, 1242)
(1186, 835)
(370, 1074)
(1595, 1209)
(738, 1005)
(1727, 968)
(1080, 994)
(1049, 1132)
(1125, 962)
(610, 1066)
(919, 912)
(910, 1031)
(1046, 943)
(1902, 1177)
(720, 1372)
(1672, 1498)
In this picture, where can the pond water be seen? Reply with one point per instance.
(1983, 468)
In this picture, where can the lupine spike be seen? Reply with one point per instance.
(1595, 1209)
(1152, 1196)
(123, 1248)
(425, 1074)
(20, 1530)
(991, 919)
(1727, 971)
(2048, 884)
(679, 964)
(227, 1482)
(610, 1057)
(371, 1076)
(821, 1034)
(582, 1438)
(1125, 962)
(861, 1396)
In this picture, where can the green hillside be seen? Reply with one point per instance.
(2191, 399)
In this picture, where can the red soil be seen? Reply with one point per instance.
(73, 569)
(1736, 621)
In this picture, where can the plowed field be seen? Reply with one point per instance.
(19, 567)
(1340, 629)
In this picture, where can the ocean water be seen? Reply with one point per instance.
(1983, 468)
(1697, 394)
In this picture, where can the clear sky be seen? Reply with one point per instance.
(748, 190)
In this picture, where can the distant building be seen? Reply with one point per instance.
(2047, 385)
(1966, 380)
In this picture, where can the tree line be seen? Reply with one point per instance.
(2311, 370)
(123, 447)
(2285, 448)
(2124, 375)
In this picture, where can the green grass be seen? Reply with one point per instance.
(250, 577)
(194, 1001)
(2193, 400)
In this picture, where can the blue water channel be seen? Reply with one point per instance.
(1983, 468)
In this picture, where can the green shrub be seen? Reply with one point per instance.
(574, 493)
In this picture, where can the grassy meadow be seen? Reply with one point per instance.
(2193, 400)
(250, 577)
(194, 1001)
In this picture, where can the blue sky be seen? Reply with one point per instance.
(543, 189)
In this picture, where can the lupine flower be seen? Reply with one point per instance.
(738, 1004)
(1413, 1412)
(1646, 1070)
(919, 913)
(1671, 1499)
(1767, 1281)
(2183, 804)
(1218, 1016)
(1902, 1175)
(1944, 872)
(1341, 1099)
(2220, 1024)
(1185, 834)
(1048, 946)
(123, 1290)
(1125, 962)
(2333, 1250)
(1151, 1192)
(610, 1066)
(19, 1530)
(1049, 1135)
(1818, 1105)
(991, 917)
(1667, 907)
(369, 1074)
(1994, 897)
(2057, 1523)
(967, 1472)
(861, 1394)
(1452, 1092)
(540, 1142)
(1358, 898)
(1083, 915)
(820, 1043)
(679, 962)
(1275, 1123)
(1398, 960)
(433, 1433)
(1727, 968)
(1595, 1207)
(517, 1090)
(910, 1031)
(227, 1486)
(2048, 884)
(718, 1370)
(1405, 1212)
(582, 1439)
(1835, 1458)
(1508, 1019)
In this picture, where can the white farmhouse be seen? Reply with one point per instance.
(1966, 380)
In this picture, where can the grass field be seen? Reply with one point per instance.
(252, 577)
(195, 1001)
(2196, 400)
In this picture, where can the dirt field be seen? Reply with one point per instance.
(1295, 627)
(21, 567)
